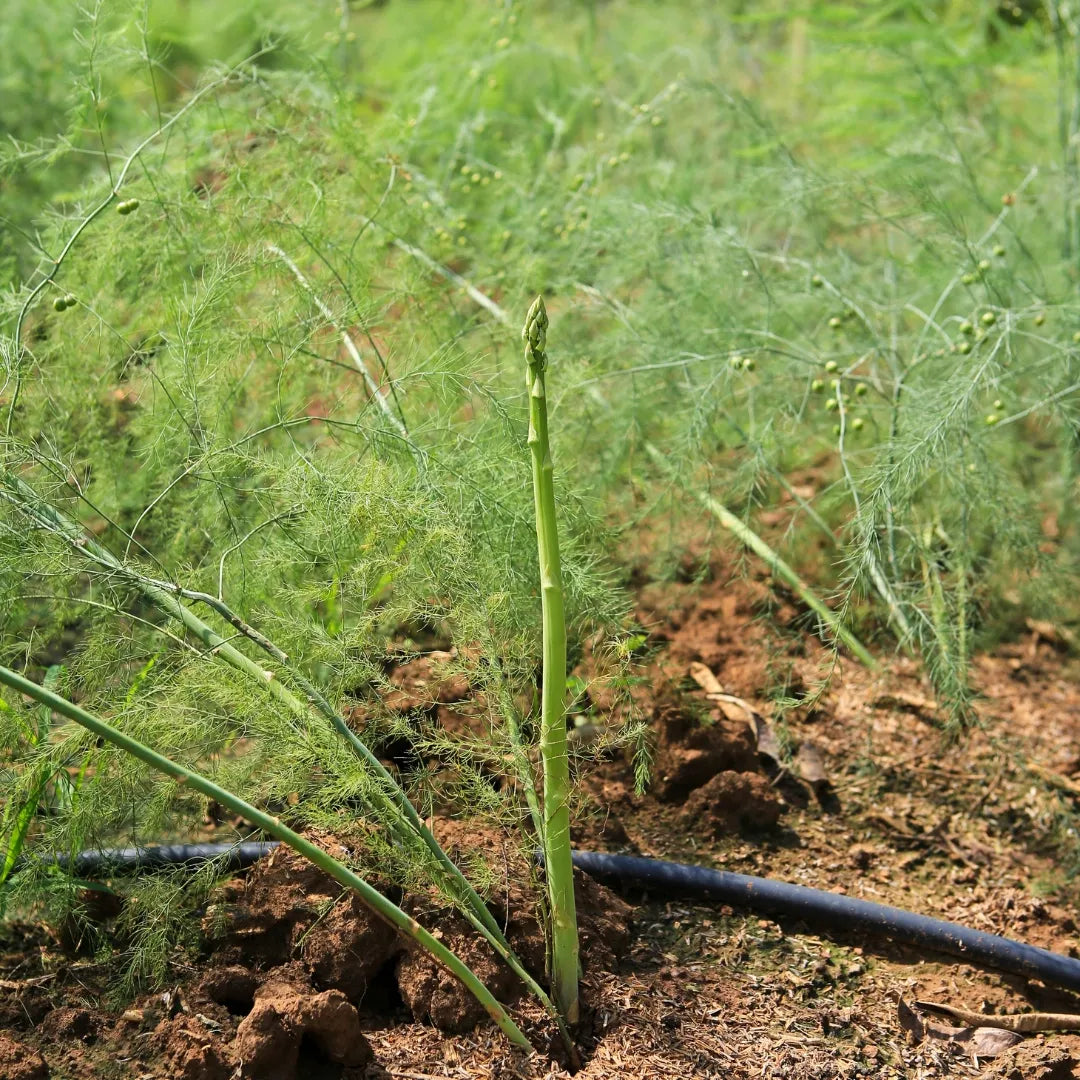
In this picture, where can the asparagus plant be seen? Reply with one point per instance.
(389, 798)
(553, 741)
(272, 826)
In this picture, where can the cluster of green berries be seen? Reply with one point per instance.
(643, 110)
(62, 303)
(571, 225)
(995, 416)
(832, 403)
(444, 236)
(970, 330)
(836, 322)
(128, 206)
(742, 363)
(982, 266)
(473, 177)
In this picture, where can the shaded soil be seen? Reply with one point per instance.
(855, 790)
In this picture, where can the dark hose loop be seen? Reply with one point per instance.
(671, 878)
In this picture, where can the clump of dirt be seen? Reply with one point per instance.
(716, 624)
(18, 1062)
(232, 987)
(271, 1039)
(604, 922)
(731, 801)
(434, 995)
(692, 749)
(288, 909)
(190, 1050)
(68, 1023)
(1032, 1060)
(424, 682)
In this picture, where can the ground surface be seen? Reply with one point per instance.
(981, 832)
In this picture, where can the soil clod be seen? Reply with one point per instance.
(287, 1019)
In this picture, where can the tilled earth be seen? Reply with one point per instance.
(854, 790)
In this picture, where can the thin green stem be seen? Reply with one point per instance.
(553, 742)
(272, 826)
(775, 563)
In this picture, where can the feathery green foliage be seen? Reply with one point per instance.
(823, 261)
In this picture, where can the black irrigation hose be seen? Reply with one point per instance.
(98, 863)
(841, 912)
(671, 878)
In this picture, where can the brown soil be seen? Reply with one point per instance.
(299, 981)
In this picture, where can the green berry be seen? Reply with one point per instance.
(817, 386)
(1076, 336)
(999, 250)
(836, 429)
(817, 281)
(831, 366)
(988, 318)
(963, 347)
(128, 206)
(59, 304)
(861, 389)
(1040, 318)
(966, 328)
(999, 405)
(858, 423)
(832, 404)
(836, 322)
(748, 363)
(984, 264)
(992, 419)
(968, 279)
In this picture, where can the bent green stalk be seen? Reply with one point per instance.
(272, 826)
(775, 563)
(553, 743)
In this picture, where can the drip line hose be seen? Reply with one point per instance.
(670, 879)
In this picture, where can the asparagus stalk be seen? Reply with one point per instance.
(553, 743)
(383, 908)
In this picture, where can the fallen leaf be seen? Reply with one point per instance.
(914, 703)
(767, 743)
(703, 676)
(988, 1042)
(980, 1042)
(810, 766)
